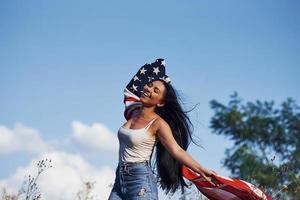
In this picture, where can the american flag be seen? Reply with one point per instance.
(226, 188)
(146, 74)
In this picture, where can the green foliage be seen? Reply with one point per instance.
(266, 147)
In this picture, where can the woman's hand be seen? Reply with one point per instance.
(209, 172)
(208, 175)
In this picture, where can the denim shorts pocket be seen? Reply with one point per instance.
(138, 171)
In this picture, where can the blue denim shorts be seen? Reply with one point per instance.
(134, 181)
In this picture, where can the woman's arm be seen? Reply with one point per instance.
(165, 136)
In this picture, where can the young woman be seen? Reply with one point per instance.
(155, 121)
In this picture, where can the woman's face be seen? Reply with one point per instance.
(153, 94)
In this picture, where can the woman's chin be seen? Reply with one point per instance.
(143, 98)
(146, 103)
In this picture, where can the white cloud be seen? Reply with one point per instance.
(96, 137)
(21, 139)
(65, 178)
(69, 171)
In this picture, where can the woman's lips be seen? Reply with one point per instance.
(146, 94)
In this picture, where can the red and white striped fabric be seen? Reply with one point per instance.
(132, 102)
(226, 189)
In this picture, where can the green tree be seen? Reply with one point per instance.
(266, 148)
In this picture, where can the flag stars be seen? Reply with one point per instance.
(162, 78)
(136, 78)
(150, 78)
(134, 87)
(156, 70)
(142, 71)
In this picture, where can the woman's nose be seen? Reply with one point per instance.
(147, 88)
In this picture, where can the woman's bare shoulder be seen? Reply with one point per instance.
(160, 123)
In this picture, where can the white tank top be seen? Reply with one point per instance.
(136, 145)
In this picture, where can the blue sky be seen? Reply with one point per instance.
(66, 61)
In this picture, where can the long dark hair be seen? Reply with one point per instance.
(168, 168)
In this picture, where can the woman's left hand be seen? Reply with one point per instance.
(210, 172)
(209, 175)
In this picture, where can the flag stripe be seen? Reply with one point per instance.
(226, 188)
